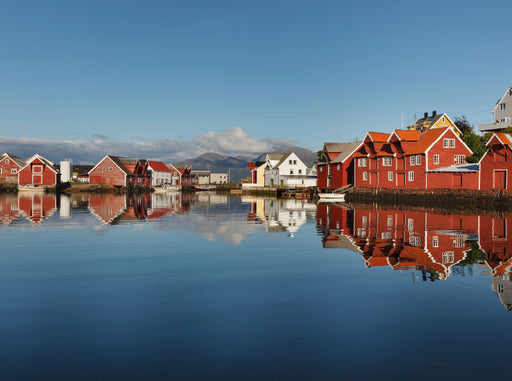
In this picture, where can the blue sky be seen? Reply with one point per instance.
(173, 79)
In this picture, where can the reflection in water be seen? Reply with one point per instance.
(436, 245)
(280, 215)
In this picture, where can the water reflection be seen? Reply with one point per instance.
(432, 245)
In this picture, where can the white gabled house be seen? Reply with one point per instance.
(289, 170)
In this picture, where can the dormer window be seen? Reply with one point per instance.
(6, 161)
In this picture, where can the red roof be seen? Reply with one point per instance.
(378, 136)
(503, 137)
(426, 140)
(408, 135)
(158, 166)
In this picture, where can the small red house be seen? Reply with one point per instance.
(496, 164)
(38, 171)
(10, 165)
(336, 167)
(120, 172)
(175, 174)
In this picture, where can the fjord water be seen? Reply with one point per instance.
(208, 286)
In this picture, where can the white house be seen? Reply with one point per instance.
(502, 112)
(160, 173)
(289, 171)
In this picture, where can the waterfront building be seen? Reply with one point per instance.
(336, 166)
(160, 173)
(38, 171)
(10, 165)
(502, 113)
(120, 172)
(496, 164)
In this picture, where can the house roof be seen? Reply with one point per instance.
(275, 156)
(45, 161)
(158, 166)
(426, 140)
(407, 135)
(282, 159)
(347, 150)
(19, 161)
(378, 136)
(504, 138)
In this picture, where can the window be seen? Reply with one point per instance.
(456, 159)
(390, 176)
(300, 171)
(385, 235)
(446, 143)
(503, 106)
(448, 257)
(386, 162)
(110, 169)
(462, 159)
(436, 159)
(321, 169)
(418, 159)
(361, 162)
(413, 160)
(13, 171)
(0, 170)
(410, 224)
(435, 241)
(443, 119)
(291, 171)
(6, 161)
(338, 167)
(290, 162)
(37, 169)
(452, 143)
(411, 176)
(390, 221)
(103, 169)
(365, 176)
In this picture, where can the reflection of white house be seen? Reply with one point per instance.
(502, 114)
(285, 215)
(289, 170)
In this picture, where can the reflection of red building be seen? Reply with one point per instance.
(108, 207)
(8, 208)
(401, 239)
(495, 234)
(37, 206)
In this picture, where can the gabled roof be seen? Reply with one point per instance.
(428, 138)
(504, 138)
(406, 135)
(19, 161)
(275, 156)
(158, 166)
(334, 147)
(508, 92)
(380, 137)
(426, 123)
(282, 160)
(347, 150)
(118, 161)
(45, 161)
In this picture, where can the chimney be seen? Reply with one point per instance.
(425, 115)
(434, 113)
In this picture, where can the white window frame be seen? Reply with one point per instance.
(412, 160)
(13, 171)
(410, 176)
(365, 176)
(452, 143)
(418, 159)
(436, 159)
(435, 241)
(446, 143)
(456, 159)
(390, 176)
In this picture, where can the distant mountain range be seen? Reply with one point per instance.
(237, 165)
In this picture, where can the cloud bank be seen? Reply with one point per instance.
(233, 141)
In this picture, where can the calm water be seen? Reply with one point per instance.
(215, 287)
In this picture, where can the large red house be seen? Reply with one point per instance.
(38, 171)
(120, 172)
(10, 165)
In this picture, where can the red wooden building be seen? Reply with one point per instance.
(336, 167)
(10, 165)
(496, 164)
(38, 171)
(120, 172)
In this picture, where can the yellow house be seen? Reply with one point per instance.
(434, 121)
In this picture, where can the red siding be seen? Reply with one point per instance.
(496, 168)
(7, 165)
(37, 173)
(102, 174)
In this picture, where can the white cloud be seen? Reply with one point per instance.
(233, 141)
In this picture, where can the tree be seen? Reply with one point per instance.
(475, 142)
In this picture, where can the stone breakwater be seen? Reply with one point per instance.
(462, 199)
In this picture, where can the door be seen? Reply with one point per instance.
(37, 179)
(400, 180)
(500, 180)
